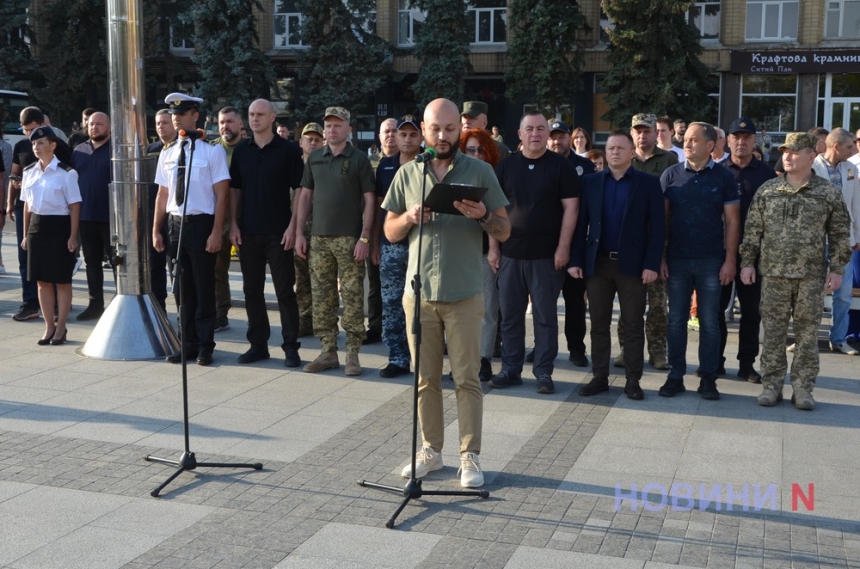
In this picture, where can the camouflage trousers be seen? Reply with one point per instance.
(656, 320)
(393, 262)
(304, 297)
(332, 257)
(782, 300)
(222, 277)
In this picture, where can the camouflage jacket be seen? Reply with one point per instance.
(788, 230)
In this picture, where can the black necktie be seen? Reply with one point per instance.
(180, 175)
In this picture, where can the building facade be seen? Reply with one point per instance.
(788, 64)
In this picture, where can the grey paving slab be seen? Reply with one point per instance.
(368, 546)
(530, 557)
(76, 549)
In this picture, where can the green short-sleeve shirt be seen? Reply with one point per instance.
(338, 184)
(451, 251)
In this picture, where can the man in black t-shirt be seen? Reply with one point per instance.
(22, 156)
(543, 190)
(262, 172)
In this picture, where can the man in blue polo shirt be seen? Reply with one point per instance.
(92, 161)
(703, 212)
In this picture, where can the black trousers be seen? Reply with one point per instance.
(196, 273)
(573, 292)
(254, 253)
(602, 286)
(749, 297)
(374, 297)
(95, 243)
(519, 279)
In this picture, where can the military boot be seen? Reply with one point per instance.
(324, 361)
(802, 399)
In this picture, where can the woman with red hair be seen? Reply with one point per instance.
(476, 142)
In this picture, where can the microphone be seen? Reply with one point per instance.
(426, 156)
(193, 134)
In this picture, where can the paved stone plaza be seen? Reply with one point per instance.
(74, 488)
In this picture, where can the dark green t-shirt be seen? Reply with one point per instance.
(338, 183)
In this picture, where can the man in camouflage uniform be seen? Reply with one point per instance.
(651, 159)
(311, 139)
(789, 226)
(339, 180)
(229, 126)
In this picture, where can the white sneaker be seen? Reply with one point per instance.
(426, 461)
(470, 472)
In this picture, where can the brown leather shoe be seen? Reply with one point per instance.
(594, 387)
(324, 361)
(352, 365)
(633, 391)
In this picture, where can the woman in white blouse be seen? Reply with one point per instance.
(52, 202)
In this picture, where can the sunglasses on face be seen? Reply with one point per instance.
(474, 150)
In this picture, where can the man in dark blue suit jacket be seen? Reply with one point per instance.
(618, 247)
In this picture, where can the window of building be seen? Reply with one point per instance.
(606, 25)
(181, 37)
(705, 17)
(288, 24)
(770, 101)
(772, 19)
(410, 20)
(843, 19)
(488, 20)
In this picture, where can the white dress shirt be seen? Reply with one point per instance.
(49, 192)
(207, 167)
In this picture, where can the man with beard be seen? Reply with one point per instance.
(230, 128)
(92, 160)
(452, 282)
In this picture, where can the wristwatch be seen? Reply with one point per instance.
(364, 240)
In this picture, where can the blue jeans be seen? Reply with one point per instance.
(685, 276)
(841, 305)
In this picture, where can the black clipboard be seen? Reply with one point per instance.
(441, 198)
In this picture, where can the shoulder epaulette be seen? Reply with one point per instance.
(64, 166)
(31, 165)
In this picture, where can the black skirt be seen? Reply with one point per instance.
(48, 257)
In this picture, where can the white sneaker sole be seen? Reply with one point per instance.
(407, 471)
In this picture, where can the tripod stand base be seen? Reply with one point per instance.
(414, 491)
(187, 461)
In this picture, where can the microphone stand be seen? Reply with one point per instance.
(187, 460)
(413, 489)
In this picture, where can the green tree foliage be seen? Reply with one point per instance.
(654, 59)
(74, 59)
(543, 56)
(346, 62)
(443, 48)
(15, 63)
(231, 68)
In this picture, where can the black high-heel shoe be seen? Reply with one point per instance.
(59, 341)
(47, 340)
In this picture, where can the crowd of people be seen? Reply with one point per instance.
(666, 212)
